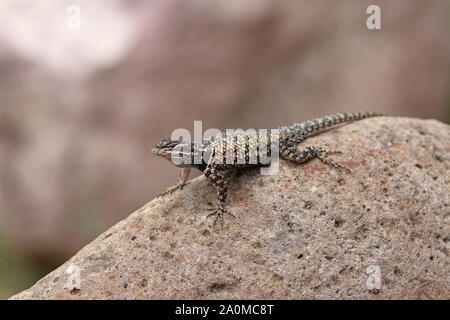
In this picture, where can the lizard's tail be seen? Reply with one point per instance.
(324, 122)
(352, 116)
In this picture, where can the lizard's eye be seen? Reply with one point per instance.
(162, 143)
(166, 143)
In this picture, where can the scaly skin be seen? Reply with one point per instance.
(218, 170)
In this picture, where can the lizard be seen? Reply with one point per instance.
(218, 173)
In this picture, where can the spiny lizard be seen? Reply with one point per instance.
(219, 172)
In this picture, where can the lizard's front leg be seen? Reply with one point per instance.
(184, 176)
(220, 179)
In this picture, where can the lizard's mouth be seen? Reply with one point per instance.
(155, 151)
(162, 153)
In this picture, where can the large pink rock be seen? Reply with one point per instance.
(308, 232)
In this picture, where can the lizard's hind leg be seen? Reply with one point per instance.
(290, 152)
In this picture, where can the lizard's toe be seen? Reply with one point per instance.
(324, 158)
(219, 216)
(170, 190)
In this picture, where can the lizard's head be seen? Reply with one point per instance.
(182, 154)
(164, 148)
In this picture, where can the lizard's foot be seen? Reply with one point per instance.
(219, 214)
(323, 156)
(171, 190)
(334, 152)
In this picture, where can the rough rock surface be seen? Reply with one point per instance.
(309, 232)
(153, 66)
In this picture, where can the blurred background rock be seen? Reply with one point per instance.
(79, 109)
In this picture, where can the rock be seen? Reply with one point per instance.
(79, 109)
(309, 232)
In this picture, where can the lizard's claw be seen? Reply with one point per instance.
(218, 213)
(170, 190)
(333, 163)
(323, 156)
(334, 152)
